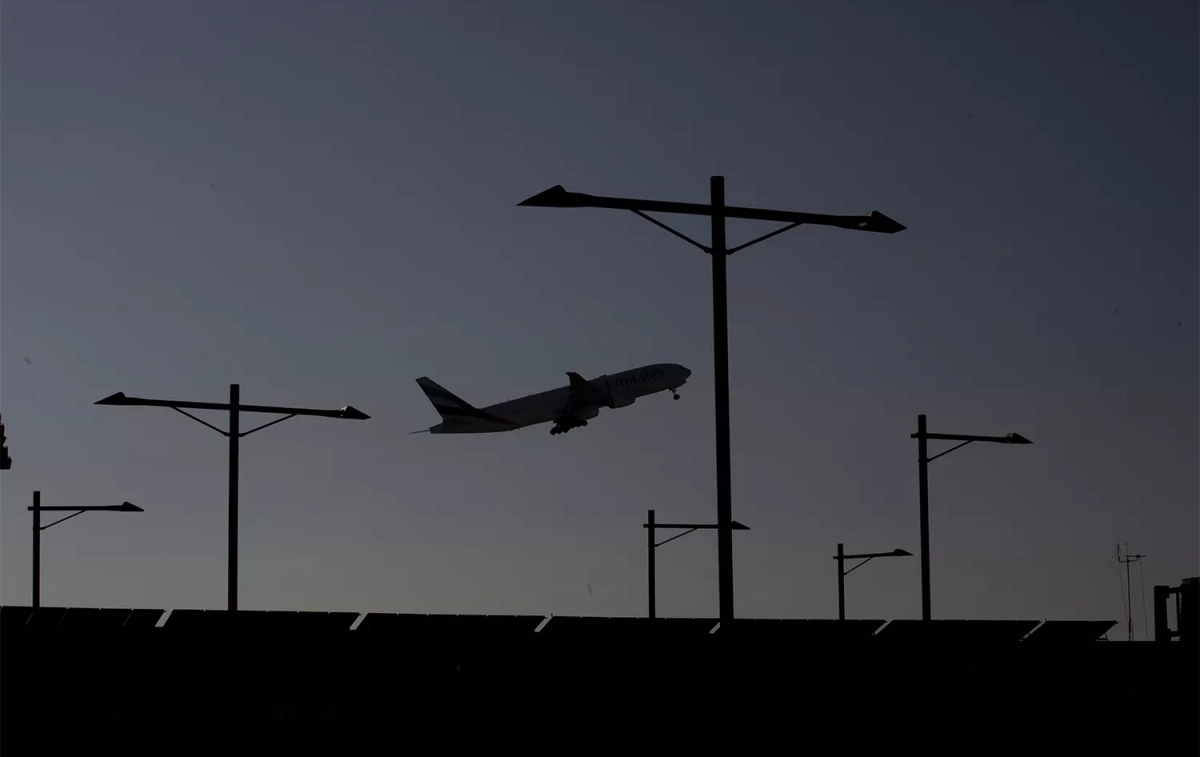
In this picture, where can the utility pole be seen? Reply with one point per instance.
(1128, 558)
(235, 408)
(719, 250)
(651, 525)
(923, 461)
(76, 510)
(923, 484)
(235, 436)
(650, 545)
(37, 551)
(841, 558)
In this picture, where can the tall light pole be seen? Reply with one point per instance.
(650, 527)
(923, 460)
(235, 409)
(38, 528)
(558, 197)
(841, 558)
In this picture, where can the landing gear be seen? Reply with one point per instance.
(566, 425)
(675, 394)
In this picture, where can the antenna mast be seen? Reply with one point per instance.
(1127, 559)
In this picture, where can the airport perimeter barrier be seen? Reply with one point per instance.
(196, 681)
(550, 629)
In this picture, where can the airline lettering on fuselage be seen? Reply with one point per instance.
(632, 379)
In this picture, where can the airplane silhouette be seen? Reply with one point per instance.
(567, 407)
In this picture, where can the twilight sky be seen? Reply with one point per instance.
(318, 200)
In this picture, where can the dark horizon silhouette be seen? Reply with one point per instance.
(305, 680)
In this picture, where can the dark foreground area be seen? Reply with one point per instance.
(261, 683)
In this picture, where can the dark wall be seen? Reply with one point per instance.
(194, 690)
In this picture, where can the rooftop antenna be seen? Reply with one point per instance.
(1128, 558)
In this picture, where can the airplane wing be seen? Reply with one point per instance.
(583, 393)
(583, 396)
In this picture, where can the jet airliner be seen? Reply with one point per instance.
(567, 407)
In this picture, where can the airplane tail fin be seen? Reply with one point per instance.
(444, 401)
(451, 407)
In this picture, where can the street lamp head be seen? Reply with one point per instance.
(1016, 439)
(734, 525)
(878, 222)
(554, 197)
(129, 507)
(351, 413)
(901, 553)
(114, 399)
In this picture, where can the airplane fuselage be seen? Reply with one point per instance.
(615, 390)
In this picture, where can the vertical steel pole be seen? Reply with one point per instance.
(34, 721)
(37, 550)
(841, 584)
(721, 372)
(923, 460)
(1129, 591)
(650, 556)
(234, 437)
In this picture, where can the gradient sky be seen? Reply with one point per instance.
(318, 200)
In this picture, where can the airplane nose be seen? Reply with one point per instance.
(686, 372)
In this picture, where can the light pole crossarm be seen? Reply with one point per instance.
(676, 536)
(60, 520)
(1013, 438)
(856, 567)
(867, 557)
(268, 423)
(201, 422)
(667, 228)
(226, 433)
(762, 238)
(558, 197)
(947, 452)
(120, 399)
(708, 249)
(733, 526)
